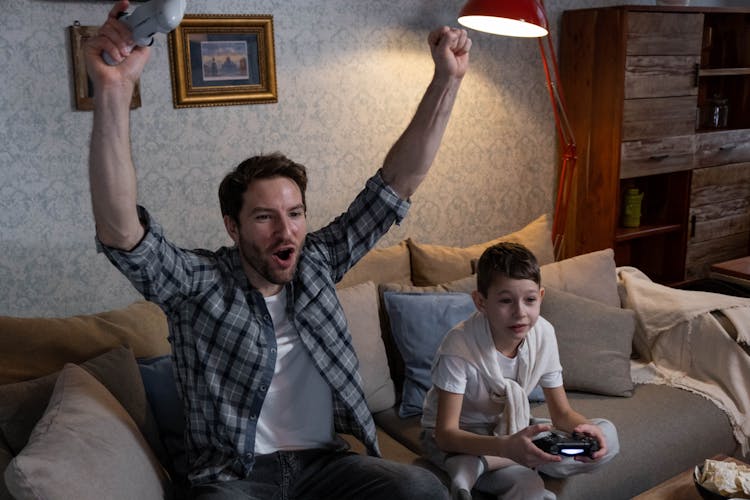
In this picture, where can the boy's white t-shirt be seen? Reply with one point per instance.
(297, 412)
(455, 374)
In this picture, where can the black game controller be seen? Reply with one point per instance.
(570, 445)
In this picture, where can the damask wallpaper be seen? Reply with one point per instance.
(350, 74)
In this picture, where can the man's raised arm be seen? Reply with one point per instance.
(410, 158)
(111, 171)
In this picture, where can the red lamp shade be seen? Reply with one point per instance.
(524, 18)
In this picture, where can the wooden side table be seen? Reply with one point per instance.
(680, 487)
(736, 270)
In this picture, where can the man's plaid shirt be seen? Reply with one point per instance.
(222, 336)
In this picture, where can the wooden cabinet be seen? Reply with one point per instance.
(636, 79)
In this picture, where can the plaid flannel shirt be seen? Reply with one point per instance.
(223, 342)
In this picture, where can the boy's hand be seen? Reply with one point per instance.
(595, 432)
(520, 448)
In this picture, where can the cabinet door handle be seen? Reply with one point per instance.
(693, 220)
(727, 147)
(658, 157)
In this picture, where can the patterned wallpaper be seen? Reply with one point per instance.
(350, 73)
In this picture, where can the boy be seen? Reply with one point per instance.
(476, 415)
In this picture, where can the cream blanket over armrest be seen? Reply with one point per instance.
(678, 332)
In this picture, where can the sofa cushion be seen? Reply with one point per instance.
(49, 343)
(419, 321)
(381, 265)
(434, 264)
(594, 341)
(643, 461)
(592, 275)
(85, 446)
(652, 447)
(22, 404)
(360, 304)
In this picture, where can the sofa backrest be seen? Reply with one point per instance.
(34, 347)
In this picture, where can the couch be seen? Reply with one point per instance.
(88, 406)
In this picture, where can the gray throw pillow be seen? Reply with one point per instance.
(594, 340)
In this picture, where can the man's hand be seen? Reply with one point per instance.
(450, 50)
(115, 39)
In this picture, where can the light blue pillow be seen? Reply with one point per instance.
(419, 321)
(536, 395)
(161, 392)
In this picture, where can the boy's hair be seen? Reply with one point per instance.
(511, 260)
(236, 182)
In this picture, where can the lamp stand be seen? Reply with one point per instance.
(569, 155)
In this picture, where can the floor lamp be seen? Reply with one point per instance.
(527, 18)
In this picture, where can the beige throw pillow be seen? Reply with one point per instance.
(85, 446)
(592, 275)
(380, 265)
(360, 304)
(435, 264)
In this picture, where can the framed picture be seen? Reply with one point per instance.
(84, 91)
(221, 60)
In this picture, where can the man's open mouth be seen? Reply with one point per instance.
(284, 255)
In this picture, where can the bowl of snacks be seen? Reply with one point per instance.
(722, 479)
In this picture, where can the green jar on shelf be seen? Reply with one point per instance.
(631, 213)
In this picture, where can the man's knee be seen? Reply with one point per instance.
(417, 482)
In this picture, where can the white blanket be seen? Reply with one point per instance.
(693, 340)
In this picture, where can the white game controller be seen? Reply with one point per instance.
(154, 16)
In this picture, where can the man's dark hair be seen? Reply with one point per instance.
(511, 260)
(237, 181)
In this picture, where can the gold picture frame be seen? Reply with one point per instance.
(222, 60)
(84, 91)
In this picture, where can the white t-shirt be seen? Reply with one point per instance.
(455, 374)
(297, 412)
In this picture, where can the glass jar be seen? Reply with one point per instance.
(714, 113)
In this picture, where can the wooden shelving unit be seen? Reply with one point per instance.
(635, 79)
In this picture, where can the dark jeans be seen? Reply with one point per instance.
(326, 475)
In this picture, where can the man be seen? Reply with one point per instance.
(262, 355)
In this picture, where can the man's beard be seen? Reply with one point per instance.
(259, 261)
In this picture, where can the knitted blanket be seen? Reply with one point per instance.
(693, 340)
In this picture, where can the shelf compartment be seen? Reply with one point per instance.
(665, 203)
(660, 256)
